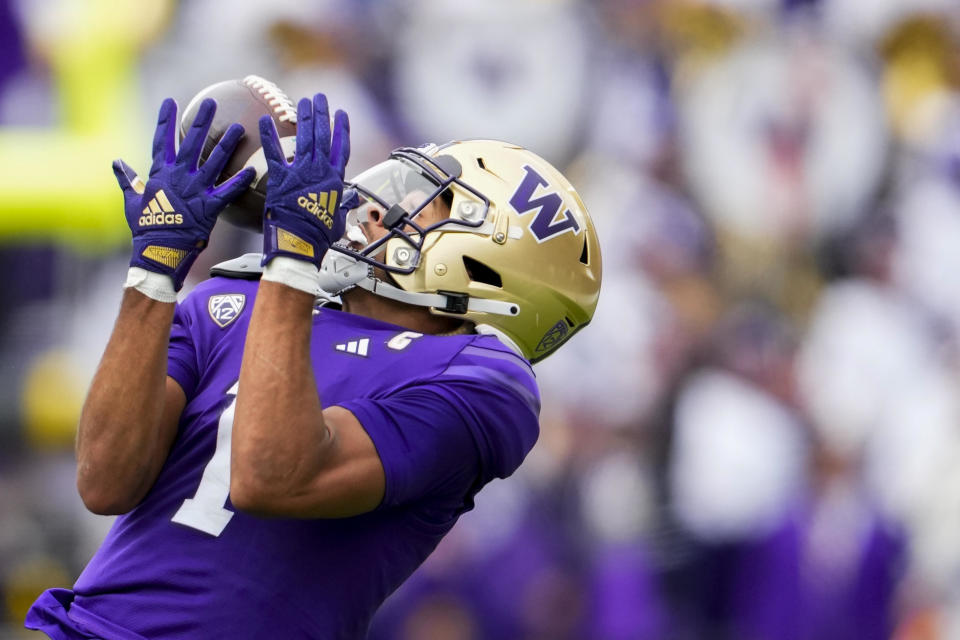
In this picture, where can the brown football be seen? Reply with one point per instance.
(244, 102)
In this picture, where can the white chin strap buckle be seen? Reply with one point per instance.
(339, 272)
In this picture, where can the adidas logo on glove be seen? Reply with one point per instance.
(159, 211)
(320, 205)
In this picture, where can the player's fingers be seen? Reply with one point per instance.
(235, 186)
(305, 117)
(270, 141)
(339, 221)
(221, 153)
(164, 138)
(119, 167)
(350, 199)
(192, 144)
(321, 126)
(340, 145)
(127, 178)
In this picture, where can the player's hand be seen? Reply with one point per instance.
(171, 217)
(303, 215)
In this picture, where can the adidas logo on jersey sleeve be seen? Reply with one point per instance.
(159, 211)
(357, 347)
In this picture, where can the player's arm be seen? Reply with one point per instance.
(290, 457)
(130, 415)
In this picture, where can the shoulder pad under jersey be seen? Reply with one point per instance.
(246, 267)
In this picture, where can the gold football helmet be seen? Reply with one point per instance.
(517, 256)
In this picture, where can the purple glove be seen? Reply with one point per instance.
(302, 213)
(172, 216)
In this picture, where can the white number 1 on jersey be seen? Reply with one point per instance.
(205, 510)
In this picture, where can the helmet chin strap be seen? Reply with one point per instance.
(340, 273)
(444, 302)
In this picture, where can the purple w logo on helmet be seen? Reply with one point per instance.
(546, 224)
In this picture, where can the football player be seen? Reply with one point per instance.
(280, 468)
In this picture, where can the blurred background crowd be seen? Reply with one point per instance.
(759, 436)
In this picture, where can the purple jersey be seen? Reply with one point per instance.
(446, 414)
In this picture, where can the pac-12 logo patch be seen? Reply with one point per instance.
(225, 308)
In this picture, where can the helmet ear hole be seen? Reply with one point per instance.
(446, 196)
(585, 254)
(479, 272)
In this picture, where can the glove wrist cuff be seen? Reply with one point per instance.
(165, 256)
(293, 273)
(305, 245)
(157, 286)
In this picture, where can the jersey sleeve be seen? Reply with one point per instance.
(455, 432)
(182, 362)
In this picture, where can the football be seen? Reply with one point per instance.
(244, 102)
